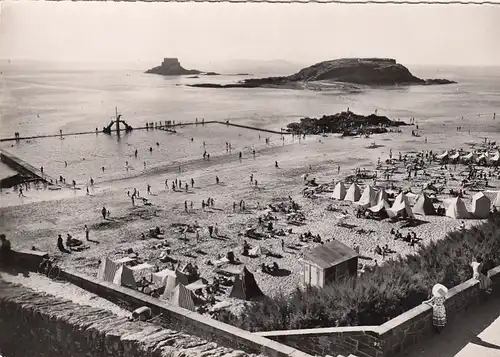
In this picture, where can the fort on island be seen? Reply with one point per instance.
(350, 234)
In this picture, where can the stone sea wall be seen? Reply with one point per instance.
(387, 340)
(168, 316)
(39, 325)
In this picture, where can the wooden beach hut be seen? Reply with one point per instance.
(329, 262)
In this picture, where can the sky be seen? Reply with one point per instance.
(199, 33)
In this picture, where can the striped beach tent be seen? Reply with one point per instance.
(107, 270)
(182, 297)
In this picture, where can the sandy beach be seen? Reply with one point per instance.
(37, 219)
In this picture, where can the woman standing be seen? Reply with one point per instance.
(439, 292)
(480, 272)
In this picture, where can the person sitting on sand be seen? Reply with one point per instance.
(60, 245)
(72, 242)
(378, 250)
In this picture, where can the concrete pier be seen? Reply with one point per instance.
(23, 167)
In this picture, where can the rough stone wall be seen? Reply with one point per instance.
(39, 325)
(360, 343)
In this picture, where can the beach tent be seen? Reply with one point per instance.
(457, 209)
(380, 206)
(353, 193)
(469, 157)
(107, 270)
(125, 277)
(258, 251)
(245, 287)
(160, 278)
(455, 156)
(442, 156)
(381, 195)
(481, 205)
(496, 203)
(170, 283)
(401, 198)
(182, 277)
(198, 284)
(495, 158)
(142, 270)
(401, 208)
(424, 206)
(368, 198)
(182, 297)
(339, 191)
(483, 159)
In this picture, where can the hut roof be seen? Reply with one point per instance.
(330, 254)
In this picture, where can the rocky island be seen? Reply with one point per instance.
(361, 71)
(347, 123)
(172, 67)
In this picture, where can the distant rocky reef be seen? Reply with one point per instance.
(363, 71)
(172, 67)
(347, 123)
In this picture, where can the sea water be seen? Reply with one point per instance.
(43, 100)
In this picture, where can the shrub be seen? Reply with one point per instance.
(377, 296)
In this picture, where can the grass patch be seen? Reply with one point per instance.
(380, 295)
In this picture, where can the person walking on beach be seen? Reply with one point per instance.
(186, 206)
(144, 165)
(166, 184)
(149, 189)
(276, 164)
(251, 178)
(217, 180)
(192, 183)
(186, 186)
(240, 155)
(136, 153)
(87, 232)
(338, 169)
(104, 211)
(282, 245)
(438, 309)
(91, 181)
(88, 193)
(253, 153)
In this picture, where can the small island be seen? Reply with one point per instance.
(347, 123)
(172, 67)
(360, 71)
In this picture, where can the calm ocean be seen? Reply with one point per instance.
(42, 100)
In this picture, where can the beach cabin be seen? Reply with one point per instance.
(329, 262)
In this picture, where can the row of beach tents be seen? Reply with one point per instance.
(177, 289)
(472, 157)
(376, 200)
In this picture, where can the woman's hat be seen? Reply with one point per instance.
(439, 290)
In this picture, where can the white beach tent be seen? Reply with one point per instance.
(496, 203)
(381, 195)
(160, 278)
(495, 158)
(339, 191)
(401, 208)
(401, 198)
(457, 209)
(368, 198)
(424, 206)
(380, 206)
(258, 250)
(455, 156)
(125, 277)
(353, 193)
(170, 283)
(480, 205)
(442, 156)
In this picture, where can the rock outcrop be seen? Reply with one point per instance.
(30, 321)
(362, 71)
(347, 123)
(172, 67)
